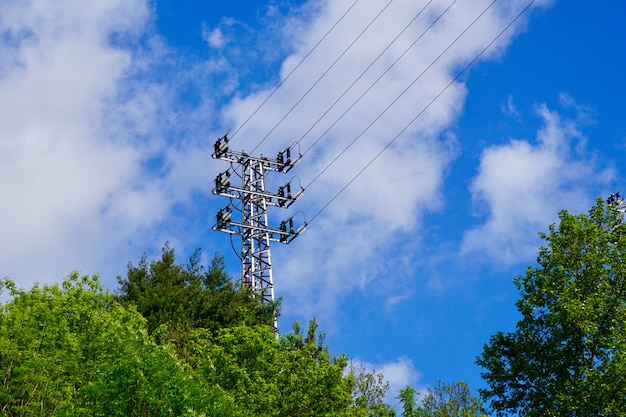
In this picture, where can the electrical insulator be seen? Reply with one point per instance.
(283, 231)
(280, 161)
(288, 152)
(220, 148)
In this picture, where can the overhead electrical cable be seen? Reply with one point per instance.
(381, 114)
(324, 74)
(294, 68)
(455, 79)
(375, 82)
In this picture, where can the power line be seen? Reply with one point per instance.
(401, 94)
(294, 69)
(323, 74)
(376, 81)
(472, 62)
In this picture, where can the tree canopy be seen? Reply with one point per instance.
(274, 378)
(186, 297)
(567, 355)
(443, 400)
(174, 341)
(72, 350)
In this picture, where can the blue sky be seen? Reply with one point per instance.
(108, 114)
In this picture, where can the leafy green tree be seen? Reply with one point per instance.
(368, 393)
(72, 350)
(292, 376)
(187, 297)
(408, 399)
(567, 355)
(444, 400)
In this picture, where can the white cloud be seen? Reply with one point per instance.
(57, 165)
(215, 38)
(509, 108)
(83, 129)
(523, 186)
(346, 248)
(398, 373)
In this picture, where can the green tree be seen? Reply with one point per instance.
(368, 393)
(567, 355)
(444, 400)
(187, 297)
(408, 399)
(72, 350)
(292, 376)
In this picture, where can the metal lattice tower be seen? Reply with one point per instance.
(616, 199)
(252, 200)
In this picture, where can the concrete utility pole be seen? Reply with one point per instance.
(251, 200)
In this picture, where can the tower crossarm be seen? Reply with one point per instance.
(284, 234)
(282, 198)
(282, 163)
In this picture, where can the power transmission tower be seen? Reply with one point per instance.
(616, 200)
(251, 200)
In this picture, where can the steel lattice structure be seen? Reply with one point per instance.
(252, 200)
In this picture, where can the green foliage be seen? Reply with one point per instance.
(368, 393)
(183, 298)
(567, 355)
(292, 376)
(444, 400)
(408, 399)
(72, 350)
